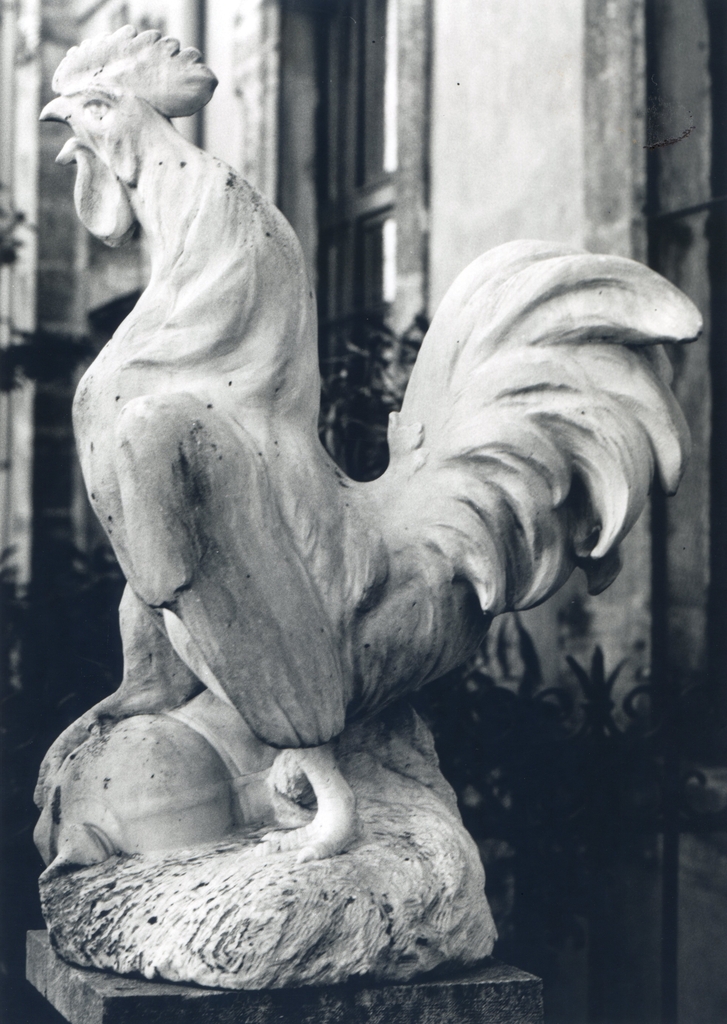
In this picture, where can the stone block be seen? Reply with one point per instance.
(494, 993)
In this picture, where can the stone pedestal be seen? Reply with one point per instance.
(492, 994)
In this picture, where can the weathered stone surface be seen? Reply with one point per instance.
(407, 897)
(492, 993)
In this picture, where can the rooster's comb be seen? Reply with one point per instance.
(174, 82)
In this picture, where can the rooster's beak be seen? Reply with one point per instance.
(58, 109)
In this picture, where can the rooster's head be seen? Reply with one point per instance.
(112, 88)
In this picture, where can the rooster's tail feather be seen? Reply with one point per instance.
(536, 414)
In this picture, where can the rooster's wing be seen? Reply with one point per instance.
(203, 537)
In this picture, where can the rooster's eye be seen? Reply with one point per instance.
(96, 109)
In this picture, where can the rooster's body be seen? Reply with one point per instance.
(526, 445)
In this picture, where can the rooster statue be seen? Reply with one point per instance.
(538, 410)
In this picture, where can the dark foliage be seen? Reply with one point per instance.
(9, 244)
(362, 382)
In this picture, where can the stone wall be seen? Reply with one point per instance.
(538, 132)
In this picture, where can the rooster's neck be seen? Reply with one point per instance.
(166, 193)
(229, 296)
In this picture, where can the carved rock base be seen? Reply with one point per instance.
(406, 898)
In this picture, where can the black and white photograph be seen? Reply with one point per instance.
(363, 511)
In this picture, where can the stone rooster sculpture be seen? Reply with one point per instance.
(538, 410)
(525, 447)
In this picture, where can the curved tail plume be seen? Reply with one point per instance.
(541, 402)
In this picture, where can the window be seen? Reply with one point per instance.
(357, 243)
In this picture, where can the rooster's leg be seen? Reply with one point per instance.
(336, 822)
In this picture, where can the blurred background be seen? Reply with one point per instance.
(402, 138)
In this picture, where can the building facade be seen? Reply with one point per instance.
(402, 138)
